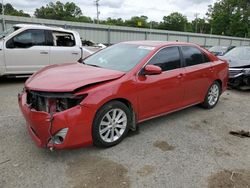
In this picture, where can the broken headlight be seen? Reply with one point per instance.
(246, 71)
(52, 102)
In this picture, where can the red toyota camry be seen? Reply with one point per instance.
(99, 100)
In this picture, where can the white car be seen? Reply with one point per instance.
(24, 49)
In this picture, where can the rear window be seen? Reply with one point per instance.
(193, 56)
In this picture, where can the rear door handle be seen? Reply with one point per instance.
(44, 52)
(75, 53)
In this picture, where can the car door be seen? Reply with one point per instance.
(65, 49)
(161, 93)
(26, 52)
(198, 74)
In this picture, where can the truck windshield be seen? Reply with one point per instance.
(121, 57)
(8, 32)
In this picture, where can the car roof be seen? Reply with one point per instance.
(37, 26)
(158, 43)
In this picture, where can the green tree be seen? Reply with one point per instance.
(60, 11)
(230, 17)
(175, 21)
(113, 21)
(10, 10)
(200, 25)
(137, 21)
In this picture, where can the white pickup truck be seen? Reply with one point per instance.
(24, 49)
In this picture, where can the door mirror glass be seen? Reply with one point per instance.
(152, 70)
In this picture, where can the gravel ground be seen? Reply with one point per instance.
(190, 148)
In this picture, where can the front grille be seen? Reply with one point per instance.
(52, 102)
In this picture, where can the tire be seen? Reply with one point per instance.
(212, 96)
(111, 124)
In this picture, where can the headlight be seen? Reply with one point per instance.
(246, 71)
(53, 102)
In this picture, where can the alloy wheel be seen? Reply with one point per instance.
(113, 125)
(213, 94)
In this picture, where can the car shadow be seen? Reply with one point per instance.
(144, 126)
(9, 80)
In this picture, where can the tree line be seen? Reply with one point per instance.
(224, 17)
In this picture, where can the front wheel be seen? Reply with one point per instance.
(212, 96)
(111, 124)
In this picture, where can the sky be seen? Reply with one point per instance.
(125, 9)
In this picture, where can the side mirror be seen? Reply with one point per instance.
(152, 70)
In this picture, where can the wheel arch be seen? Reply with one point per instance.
(221, 86)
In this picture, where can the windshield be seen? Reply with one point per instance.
(121, 57)
(8, 32)
(241, 53)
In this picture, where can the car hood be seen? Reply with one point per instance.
(236, 63)
(69, 77)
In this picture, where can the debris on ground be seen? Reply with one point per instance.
(240, 134)
(8, 160)
(162, 145)
(146, 170)
(230, 179)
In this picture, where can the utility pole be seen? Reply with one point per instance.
(3, 16)
(196, 24)
(97, 10)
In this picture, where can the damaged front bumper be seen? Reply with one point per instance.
(74, 126)
(239, 77)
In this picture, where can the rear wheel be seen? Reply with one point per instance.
(212, 96)
(111, 124)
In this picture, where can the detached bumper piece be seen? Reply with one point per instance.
(56, 121)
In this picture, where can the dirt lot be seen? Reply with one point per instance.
(190, 148)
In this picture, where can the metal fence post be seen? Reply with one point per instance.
(205, 41)
(108, 30)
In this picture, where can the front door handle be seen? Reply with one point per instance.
(180, 75)
(44, 52)
(211, 68)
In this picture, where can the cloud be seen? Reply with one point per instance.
(155, 10)
(112, 3)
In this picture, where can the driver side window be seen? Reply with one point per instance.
(167, 58)
(26, 39)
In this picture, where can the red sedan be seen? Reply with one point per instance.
(99, 100)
